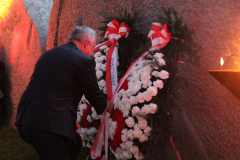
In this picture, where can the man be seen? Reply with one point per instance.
(47, 112)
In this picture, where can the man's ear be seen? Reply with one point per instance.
(86, 44)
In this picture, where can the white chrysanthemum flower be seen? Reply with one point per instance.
(135, 110)
(143, 138)
(116, 99)
(161, 62)
(89, 118)
(128, 144)
(137, 133)
(103, 47)
(98, 66)
(124, 131)
(97, 54)
(104, 90)
(101, 83)
(152, 91)
(135, 77)
(122, 145)
(129, 92)
(147, 69)
(128, 106)
(83, 98)
(146, 83)
(136, 127)
(163, 74)
(134, 149)
(130, 134)
(118, 153)
(144, 110)
(100, 117)
(152, 108)
(147, 96)
(78, 116)
(136, 88)
(102, 58)
(140, 98)
(98, 61)
(158, 84)
(125, 100)
(155, 73)
(130, 122)
(82, 106)
(127, 155)
(99, 74)
(133, 100)
(94, 113)
(125, 113)
(106, 50)
(131, 84)
(147, 130)
(93, 130)
(124, 137)
(81, 112)
(158, 55)
(142, 123)
(94, 116)
(103, 67)
(139, 156)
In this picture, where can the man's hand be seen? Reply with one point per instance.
(109, 107)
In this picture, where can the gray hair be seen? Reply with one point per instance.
(83, 33)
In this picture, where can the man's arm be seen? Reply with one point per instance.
(89, 86)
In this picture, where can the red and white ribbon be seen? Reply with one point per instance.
(113, 33)
(97, 47)
(160, 38)
(159, 35)
(101, 138)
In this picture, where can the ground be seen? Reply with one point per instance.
(13, 147)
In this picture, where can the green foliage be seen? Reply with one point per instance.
(128, 45)
(181, 46)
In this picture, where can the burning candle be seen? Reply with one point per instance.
(221, 62)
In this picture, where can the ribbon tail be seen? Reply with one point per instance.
(98, 142)
(111, 74)
(106, 134)
(97, 47)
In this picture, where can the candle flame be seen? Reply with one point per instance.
(5, 6)
(221, 61)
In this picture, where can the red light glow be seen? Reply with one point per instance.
(5, 6)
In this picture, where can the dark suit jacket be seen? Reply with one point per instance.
(60, 78)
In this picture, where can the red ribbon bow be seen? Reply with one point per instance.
(159, 35)
(116, 31)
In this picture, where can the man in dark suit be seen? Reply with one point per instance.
(47, 111)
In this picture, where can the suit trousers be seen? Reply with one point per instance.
(50, 146)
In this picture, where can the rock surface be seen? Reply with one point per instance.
(39, 12)
(19, 39)
(205, 116)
